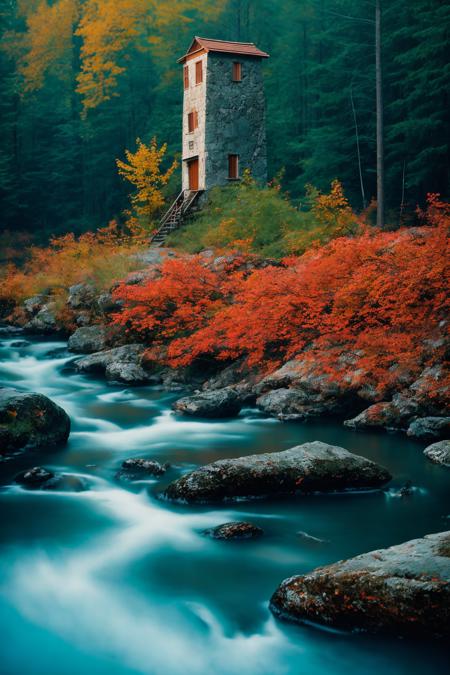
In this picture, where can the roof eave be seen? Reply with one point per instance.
(196, 51)
(260, 55)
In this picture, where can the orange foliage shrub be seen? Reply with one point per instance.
(97, 257)
(379, 298)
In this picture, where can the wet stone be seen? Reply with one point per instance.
(311, 467)
(34, 477)
(234, 531)
(403, 590)
(139, 468)
(40, 478)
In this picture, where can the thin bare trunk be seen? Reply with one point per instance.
(402, 204)
(358, 152)
(380, 123)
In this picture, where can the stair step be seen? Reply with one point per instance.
(173, 217)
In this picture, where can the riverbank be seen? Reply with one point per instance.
(130, 333)
(355, 329)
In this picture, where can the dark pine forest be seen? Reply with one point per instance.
(82, 79)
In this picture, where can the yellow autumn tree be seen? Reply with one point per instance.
(110, 29)
(143, 170)
(333, 210)
(328, 216)
(106, 33)
(46, 46)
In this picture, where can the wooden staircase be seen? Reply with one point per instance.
(174, 217)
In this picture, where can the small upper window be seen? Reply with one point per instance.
(192, 121)
(199, 72)
(186, 77)
(233, 167)
(237, 71)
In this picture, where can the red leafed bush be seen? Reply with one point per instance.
(379, 298)
(180, 300)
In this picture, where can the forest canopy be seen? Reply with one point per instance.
(83, 79)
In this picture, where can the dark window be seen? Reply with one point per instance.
(186, 77)
(192, 121)
(233, 166)
(237, 71)
(199, 72)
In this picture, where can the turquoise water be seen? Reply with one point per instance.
(114, 581)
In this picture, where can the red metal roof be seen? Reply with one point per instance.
(209, 45)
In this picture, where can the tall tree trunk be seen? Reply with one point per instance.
(358, 150)
(380, 123)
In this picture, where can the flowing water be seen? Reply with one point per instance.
(114, 581)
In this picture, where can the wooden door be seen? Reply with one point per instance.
(193, 174)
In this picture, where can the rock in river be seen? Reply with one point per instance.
(138, 468)
(299, 391)
(44, 322)
(429, 428)
(211, 404)
(126, 373)
(306, 468)
(34, 477)
(402, 590)
(29, 420)
(439, 453)
(234, 531)
(41, 478)
(88, 339)
(111, 360)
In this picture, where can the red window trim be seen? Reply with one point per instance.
(198, 72)
(237, 71)
(233, 167)
(192, 121)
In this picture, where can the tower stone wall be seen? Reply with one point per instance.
(235, 119)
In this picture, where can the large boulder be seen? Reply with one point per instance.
(99, 362)
(304, 469)
(88, 339)
(288, 404)
(216, 403)
(431, 390)
(34, 304)
(105, 303)
(29, 420)
(439, 453)
(300, 390)
(402, 590)
(126, 373)
(44, 322)
(394, 415)
(238, 375)
(429, 428)
(81, 296)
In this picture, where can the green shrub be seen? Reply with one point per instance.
(264, 221)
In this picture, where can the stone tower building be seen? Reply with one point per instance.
(223, 113)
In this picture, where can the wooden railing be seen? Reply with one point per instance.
(173, 218)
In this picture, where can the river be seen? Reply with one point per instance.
(113, 581)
